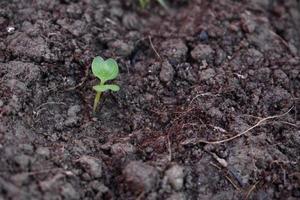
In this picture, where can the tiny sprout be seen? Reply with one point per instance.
(104, 70)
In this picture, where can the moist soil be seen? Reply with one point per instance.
(208, 107)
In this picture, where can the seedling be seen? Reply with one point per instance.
(144, 3)
(104, 70)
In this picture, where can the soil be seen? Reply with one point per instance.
(208, 107)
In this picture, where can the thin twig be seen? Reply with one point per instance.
(246, 131)
(152, 46)
(226, 176)
(251, 190)
(201, 95)
(50, 103)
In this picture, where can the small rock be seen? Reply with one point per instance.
(74, 10)
(98, 16)
(281, 78)
(122, 148)
(175, 50)
(116, 11)
(102, 190)
(43, 151)
(220, 56)
(262, 74)
(175, 176)
(203, 36)
(131, 21)
(253, 57)
(215, 113)
(167, 72)
(72, 121)
(202, 52)
(10, 29)
(30, 29)
(154, 68)
(73, 110)
(207, 74)
(294, 73)
(248, 23)
(293, 49)
(140, 177)
(121, 48)
(91, 165)
(98, 186)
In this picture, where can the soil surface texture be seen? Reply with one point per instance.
(209, 106)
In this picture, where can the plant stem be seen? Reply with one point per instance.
(97, 98)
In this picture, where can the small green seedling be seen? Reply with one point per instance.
(104, 70)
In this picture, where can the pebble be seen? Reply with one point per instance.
(121, 48)
(43, 151)
(202, 52)
(207, 74)
(73, 110)
(131, 21)
(140, 177)
(175, 50)
(122, 148)
(91, 165)
(167, 72)
(74, 10)
(10, 30)
(248, 23)
(175, 176)
(203, 36)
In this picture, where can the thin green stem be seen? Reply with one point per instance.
(97, 98)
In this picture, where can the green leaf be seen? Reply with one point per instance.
(102, 88)
(96, 66)
(105, 70)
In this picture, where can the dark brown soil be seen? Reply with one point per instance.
(191, 78)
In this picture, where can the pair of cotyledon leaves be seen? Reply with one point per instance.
(105, 70)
